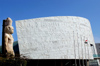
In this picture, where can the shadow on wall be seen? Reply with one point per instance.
(15, 47)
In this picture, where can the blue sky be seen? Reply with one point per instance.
(27, 9)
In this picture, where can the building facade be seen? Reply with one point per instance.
(98, 52)
(98, 48)
(61, 37)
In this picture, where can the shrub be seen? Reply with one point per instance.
(12, 62)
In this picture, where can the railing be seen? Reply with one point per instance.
(93, 63)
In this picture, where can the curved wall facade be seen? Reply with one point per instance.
(61, 37)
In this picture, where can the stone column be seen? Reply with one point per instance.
(3, 42)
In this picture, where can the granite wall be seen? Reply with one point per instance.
(61, 37)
